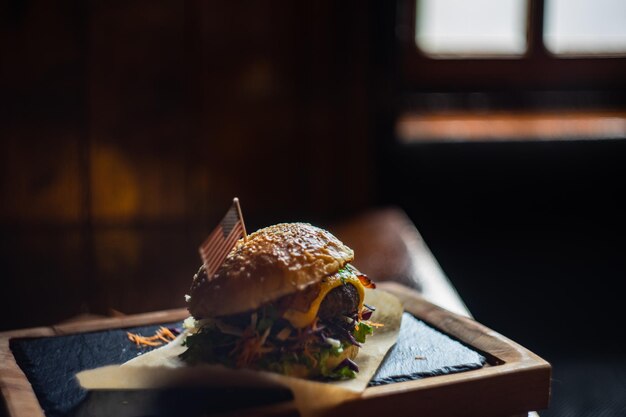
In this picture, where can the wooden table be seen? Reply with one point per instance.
(389, 248)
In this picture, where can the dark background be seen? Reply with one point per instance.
(127, 127)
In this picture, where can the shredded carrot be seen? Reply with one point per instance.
(166, 334)
(141, 340)
(251, 347)
(373, 323)
(162, 335)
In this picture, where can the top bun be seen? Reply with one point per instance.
(272, 262)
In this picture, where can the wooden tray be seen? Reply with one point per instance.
(514, 381)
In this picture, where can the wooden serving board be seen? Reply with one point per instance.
(513, 381)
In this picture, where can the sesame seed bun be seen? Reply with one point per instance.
(272, 262)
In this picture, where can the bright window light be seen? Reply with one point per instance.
(583, 27)
(471, 27)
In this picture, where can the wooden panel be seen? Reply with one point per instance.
(17, 392)
(160, 111)
(136, 111)
(40, 175)
(41, 91)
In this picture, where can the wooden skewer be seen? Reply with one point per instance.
(245, 234)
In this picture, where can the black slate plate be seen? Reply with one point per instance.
(422, 351)
(50, 364)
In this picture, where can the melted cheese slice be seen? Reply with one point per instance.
(299, 319)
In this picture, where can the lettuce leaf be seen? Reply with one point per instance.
(361, 333)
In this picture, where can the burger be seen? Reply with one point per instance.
(286, 300)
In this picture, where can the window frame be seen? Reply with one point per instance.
(536, 69)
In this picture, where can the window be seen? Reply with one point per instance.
(480, 45)
(475, 28)
(471, 28)
(585, 27)
(511, 69)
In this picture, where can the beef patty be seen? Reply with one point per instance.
(340, 301)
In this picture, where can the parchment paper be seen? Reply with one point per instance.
(162, 368)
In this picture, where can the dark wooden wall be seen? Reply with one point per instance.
(127, 127)
(144, 111)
